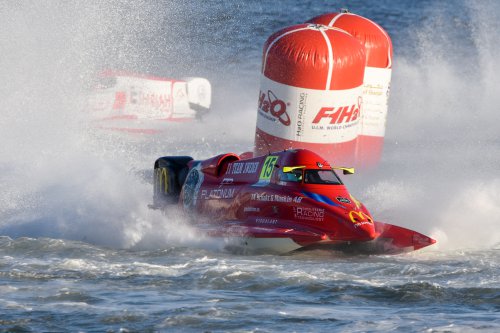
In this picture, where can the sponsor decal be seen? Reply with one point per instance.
(226, 181)
(251, 209)
(262, 197)
(218, 193)
(192, 186)
(239, 168)
(266, 221)
(161, 183)
(267, 171)
(359, 218)
(120, 100)
(270, 104)
(343, 200)
(297, 199)
(339, 121)
(268, 167)
(160, 101)
(337, 117)
(309, 213)
(275, 198)
(301, 114)
(359, 224)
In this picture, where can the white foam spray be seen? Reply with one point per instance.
(59, 178)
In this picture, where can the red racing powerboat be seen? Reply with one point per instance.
(279, 202)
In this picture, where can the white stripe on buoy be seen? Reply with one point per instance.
(389, 58)
(330, 60)
(332, 22)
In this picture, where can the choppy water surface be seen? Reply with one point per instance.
(58, 285)
(81, 251)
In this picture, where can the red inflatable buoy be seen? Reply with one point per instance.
(377, 79)
(311, 92)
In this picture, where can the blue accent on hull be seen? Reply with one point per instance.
(321, 198)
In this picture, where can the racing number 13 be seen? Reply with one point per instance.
(268, 167)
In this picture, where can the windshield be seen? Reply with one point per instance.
(292, 176)
(327, 177)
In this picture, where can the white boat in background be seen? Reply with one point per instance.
(143, 103)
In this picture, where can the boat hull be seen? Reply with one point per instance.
(239, 238)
